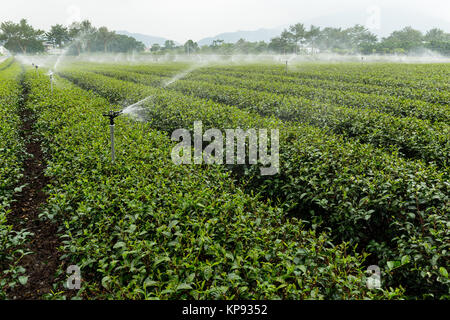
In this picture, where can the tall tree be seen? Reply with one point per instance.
(88, 32)
(123, 43)
(298, 32)
(312, 35)
(436, 34)
(82, 34)
(75, 36)
(58, 35)
(437, 40)
(21, 37)
(242, 46)
(406, 39)
(333, 38)
(190, 47)
(155, 47)
(279, 44)
(105, 36)
(217, 43)
(169, 44)
(360, 38)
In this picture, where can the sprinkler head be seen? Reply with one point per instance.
(112, 115)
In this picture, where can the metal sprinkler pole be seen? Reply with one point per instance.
(113, 150)
(112, 115)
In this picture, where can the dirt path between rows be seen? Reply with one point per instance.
(44, 261)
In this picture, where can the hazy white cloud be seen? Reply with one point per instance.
(181, 20)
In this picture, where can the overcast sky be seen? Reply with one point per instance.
(194, 19)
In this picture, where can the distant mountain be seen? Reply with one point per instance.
(228, 37)
(146, 39)
(232, 37)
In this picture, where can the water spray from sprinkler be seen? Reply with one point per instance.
(50, 74)
(112, 115)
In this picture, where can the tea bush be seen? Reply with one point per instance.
(146, 228)
(394, 208)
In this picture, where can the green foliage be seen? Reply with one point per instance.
(21, 37)
(412, 137)
(364, 194)
(359, 183)
(11, 156)
(58, 35)
(296, 39)
(82, 37)
(146, 228)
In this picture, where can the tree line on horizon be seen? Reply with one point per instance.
(82, 37)
(358, 39)
(297, 39)
(79, 37)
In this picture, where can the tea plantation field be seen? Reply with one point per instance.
(363, 180)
